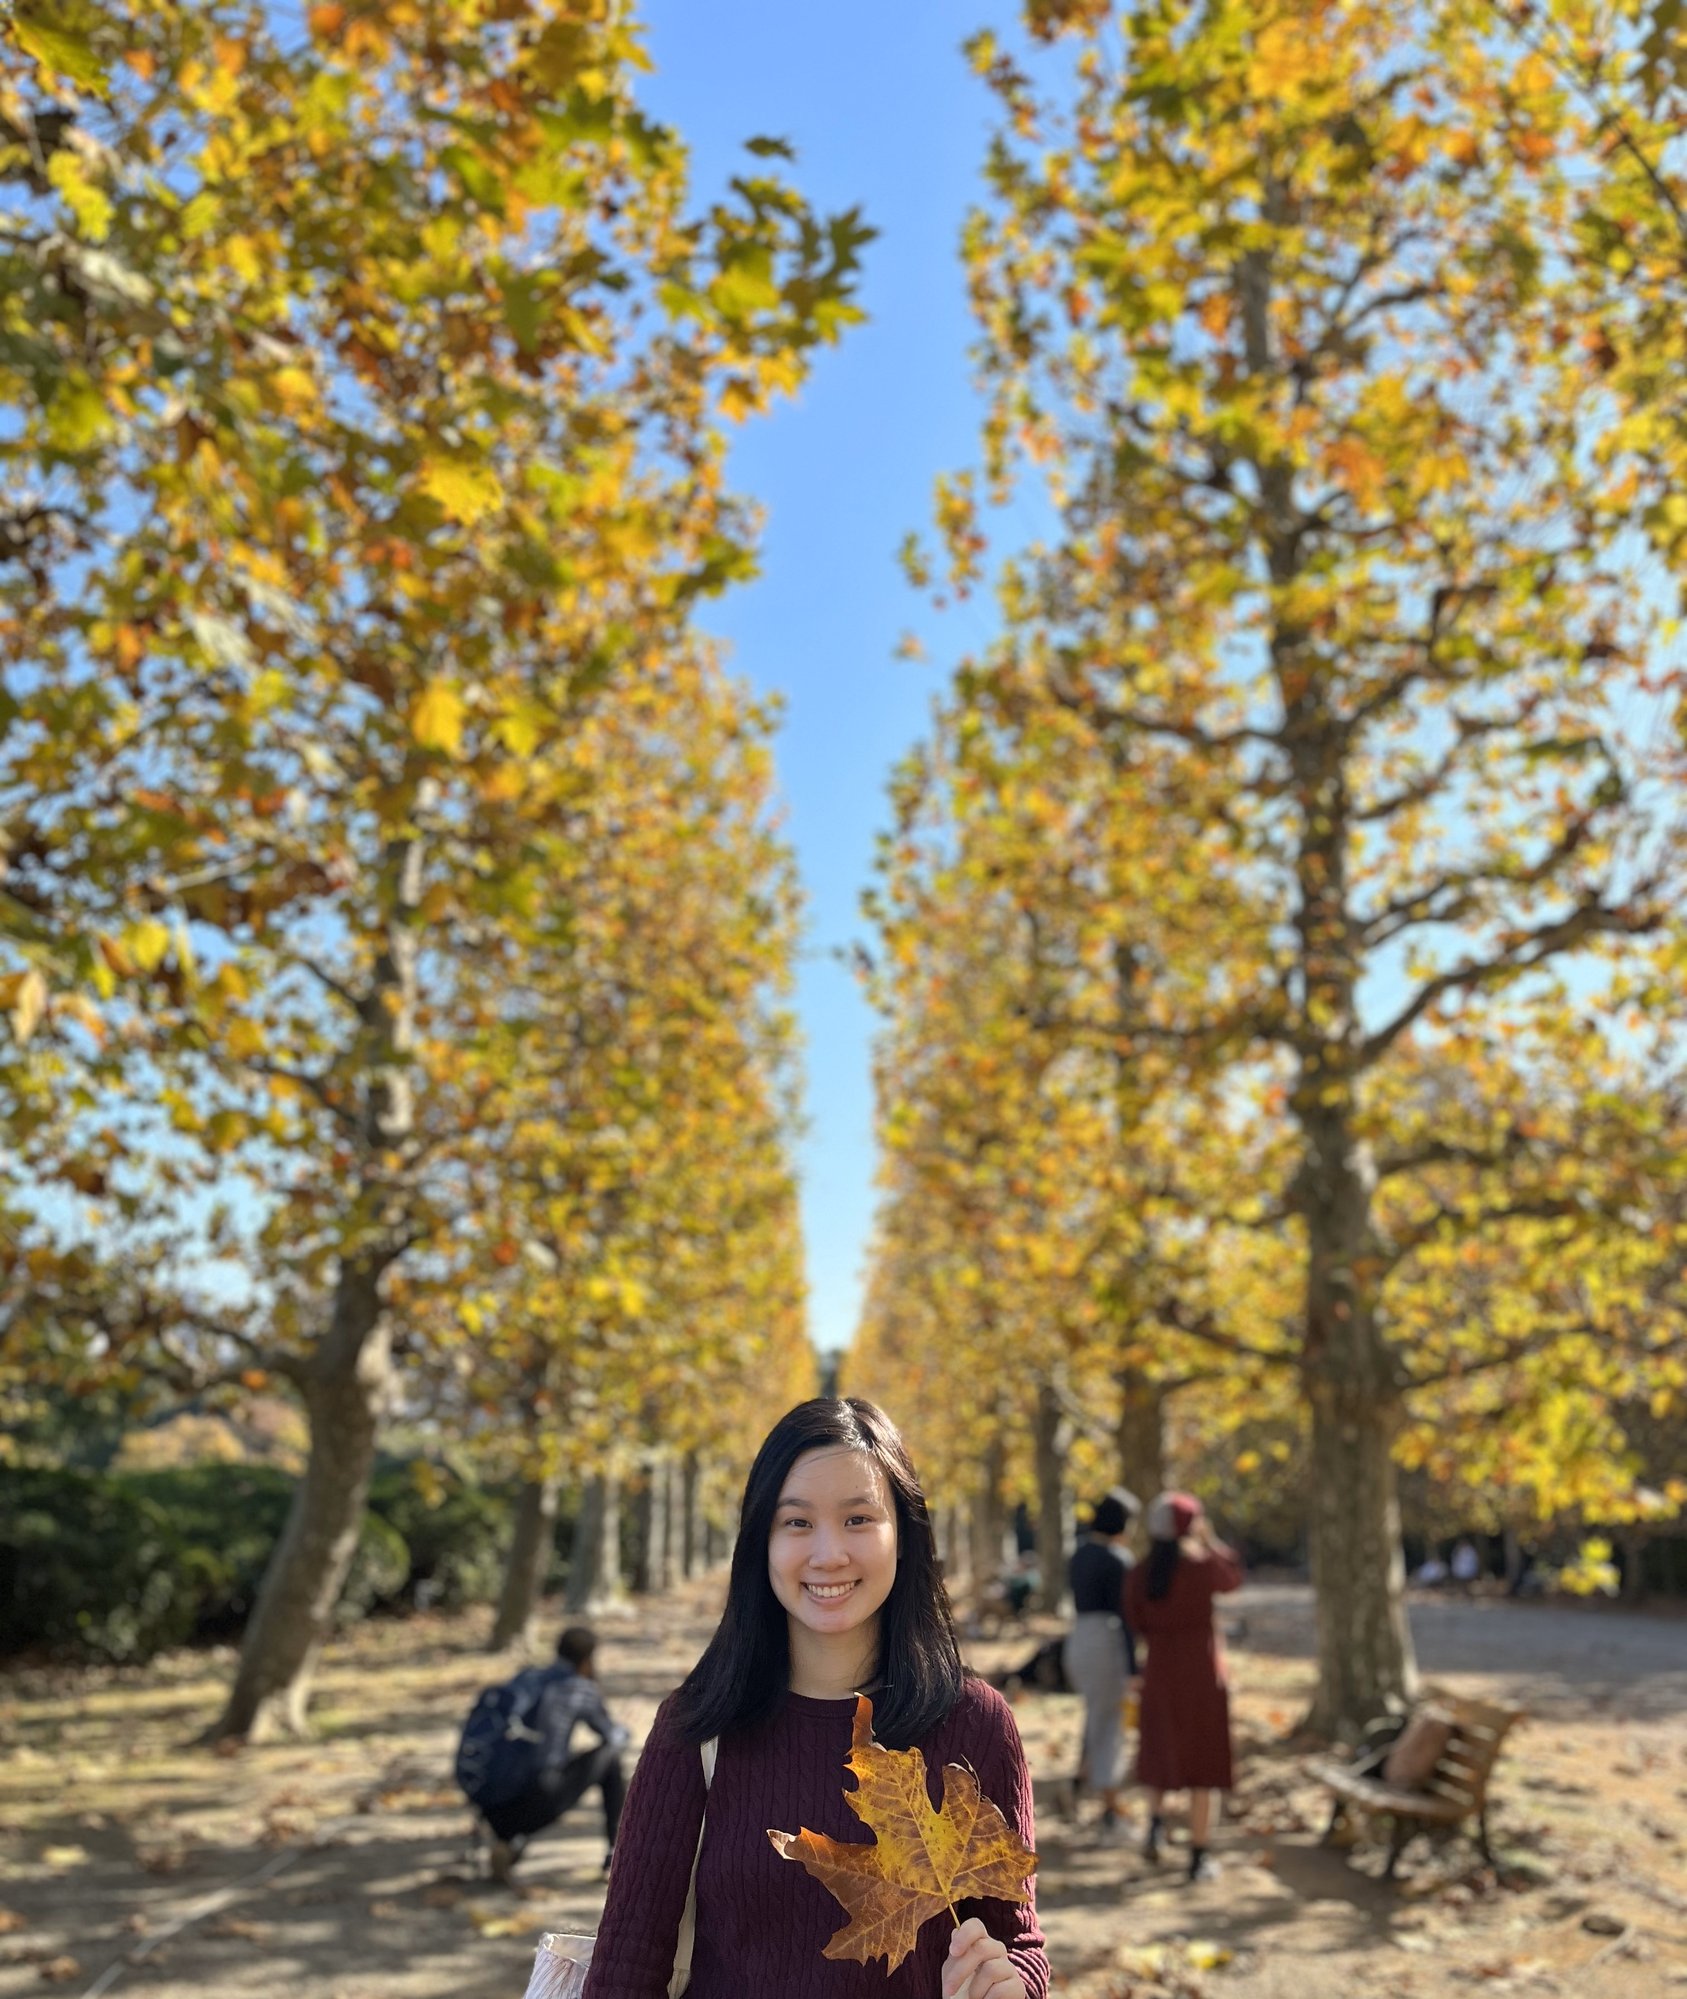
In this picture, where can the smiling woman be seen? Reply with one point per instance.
(835, 1590)
(831, 1561)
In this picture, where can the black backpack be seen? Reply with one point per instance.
(499, 1753)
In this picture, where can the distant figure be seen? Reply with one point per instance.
(513, 1761)
(1100, 1657)
(1021, 1583)
(1467, 1565)
(1430, 1573)
(1185, 1729)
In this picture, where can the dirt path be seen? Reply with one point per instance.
(339, 1869)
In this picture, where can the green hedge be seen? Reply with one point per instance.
(117, 1566)
(458, 1534)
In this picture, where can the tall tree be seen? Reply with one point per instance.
(399, 434)
(1054, 1242)
(1280, 307)
(639, 1255)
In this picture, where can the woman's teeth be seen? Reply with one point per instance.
(829, 1592)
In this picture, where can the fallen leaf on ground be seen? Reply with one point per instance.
(496, 1923)
(64, 1856)
(1205, 1956)
(11, 1922)
(240, 1926)
(923, 1860)
(60, 1970)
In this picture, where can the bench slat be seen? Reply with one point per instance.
(1457, 1786)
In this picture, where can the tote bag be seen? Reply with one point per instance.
(559, 1968)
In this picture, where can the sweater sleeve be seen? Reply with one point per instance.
(999, 1758)
(651, 1872)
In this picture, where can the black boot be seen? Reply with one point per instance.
(1151, 1845)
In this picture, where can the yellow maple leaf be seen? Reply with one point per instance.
(924, 1860)
(24, 997)
(436, 721)
(467, 493)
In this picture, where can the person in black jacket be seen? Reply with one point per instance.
(1100, 1655)
(559, 1779)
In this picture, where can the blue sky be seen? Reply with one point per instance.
(883, 111)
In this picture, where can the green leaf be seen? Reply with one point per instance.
(526, 299)
(58, 49)
(478, 176)
(771, 149)
(77, 417)
(745, 285)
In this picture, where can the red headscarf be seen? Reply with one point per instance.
(1172, 1515)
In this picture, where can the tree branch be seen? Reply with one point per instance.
(1448, 1152)
(1470, 729)
(318, 1086)
(1541, 1208)
(1204, 1328)
(1592, 918)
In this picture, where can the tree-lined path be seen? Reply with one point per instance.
(1276, 935)
(345, 1861)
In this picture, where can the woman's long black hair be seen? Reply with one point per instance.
(745, 1673)
(1163, 1557)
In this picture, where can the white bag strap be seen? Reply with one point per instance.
(688, 1922)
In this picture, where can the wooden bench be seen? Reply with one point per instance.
(1456, 1790)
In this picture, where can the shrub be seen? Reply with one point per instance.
(228, 1517)
(458, 1533)
(89, 1570)
(379, 1570)
(115, 1567)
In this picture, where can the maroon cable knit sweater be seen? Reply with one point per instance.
(763, 1922)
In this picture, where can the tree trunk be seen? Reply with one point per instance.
(988, 1522)
(594, 1576)
(951, 1545)
(1052, 1536)
(347, 1379)
(531, 1547)
(652, 1539)
(667, 1566)
(1352, 1381)
(1365, 1662)
(346, 1391)
(644, 1531)
(1140, 1438)
(690, 1519)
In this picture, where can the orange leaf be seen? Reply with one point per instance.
(923, 1860)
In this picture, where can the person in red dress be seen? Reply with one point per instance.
(1184, 1739)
